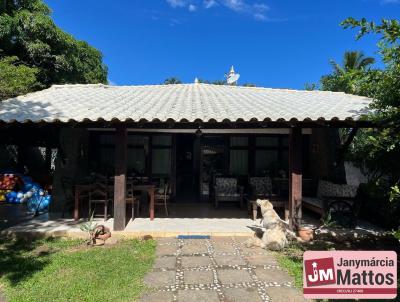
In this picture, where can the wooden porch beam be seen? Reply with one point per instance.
(121, 141)
(295, 177)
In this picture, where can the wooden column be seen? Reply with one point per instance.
(173, 167)
(121, 139)
(48, 159)
(295, 177)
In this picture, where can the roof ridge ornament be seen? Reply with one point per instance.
(232, 77)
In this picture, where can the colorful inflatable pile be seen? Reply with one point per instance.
(7, 184)
(30, 192)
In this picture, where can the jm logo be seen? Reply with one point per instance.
(320, 275)
(319, 271)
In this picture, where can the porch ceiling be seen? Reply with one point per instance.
(188, 103)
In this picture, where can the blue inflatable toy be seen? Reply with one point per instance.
(39, 202)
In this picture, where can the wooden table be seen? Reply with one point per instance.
(85, 188)
(277, 202)
(150, 189)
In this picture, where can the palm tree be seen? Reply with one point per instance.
(352, 61)
(172, 80)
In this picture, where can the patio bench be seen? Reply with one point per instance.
(337, 200)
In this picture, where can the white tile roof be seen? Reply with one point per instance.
(181, 102)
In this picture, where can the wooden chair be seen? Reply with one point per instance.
(98, 195)
(162, 196)
(132, 199)
(260, 187)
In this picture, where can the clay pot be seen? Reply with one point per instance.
(104, 237)
(100, 235)
(306, 233)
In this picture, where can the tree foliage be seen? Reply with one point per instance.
(379, 148)
(349, 76)
(172, 80)
(249, 85)
(16, 79)
(383, 86)
(353, 60)
(29, 35)
(376, 149)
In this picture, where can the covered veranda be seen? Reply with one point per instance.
(198, 111)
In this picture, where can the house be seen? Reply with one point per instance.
(185, 132)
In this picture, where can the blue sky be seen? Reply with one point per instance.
(272, 43)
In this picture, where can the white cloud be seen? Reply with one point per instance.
(256, 10)
(260, 17)
(177, 3)
(209, 3)
(261, 7)
(192, 7)
(235, 5)
(182, 3)
(173, 22)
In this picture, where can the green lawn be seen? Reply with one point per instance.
(292, 261)
(68, 270)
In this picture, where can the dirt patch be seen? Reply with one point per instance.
(44, 250)
(78, 248)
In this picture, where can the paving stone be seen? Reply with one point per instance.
(158, 297)
(284, 294)
(241, 239)
(242, 295)
(229, 276)
(193, 261)
(198, 295)
(252, 250)
(195, 241)
(229, 260)
(223, 247)
(266, 259)
(165, 262)
(167, 241)
(225, 240)
(194, 249)
(198, 277)
(163, 250)
(159, 279)
(272, 275)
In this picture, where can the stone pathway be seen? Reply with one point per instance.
(218, 269)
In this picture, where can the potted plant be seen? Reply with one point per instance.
(306, 232)
(95, 231)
